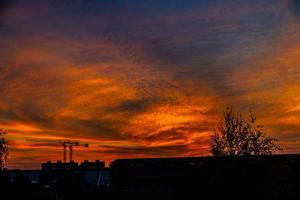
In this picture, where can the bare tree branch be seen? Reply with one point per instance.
(236, 136)
(3, 149)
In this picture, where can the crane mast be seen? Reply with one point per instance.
(70, 144)
(64, 152)
(71, 152)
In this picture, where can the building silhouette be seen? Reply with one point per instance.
(252, 177)
(59, 165)
(205, 178)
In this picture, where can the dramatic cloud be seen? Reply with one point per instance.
(143, 78)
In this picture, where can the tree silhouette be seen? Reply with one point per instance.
(3, 149)
(236, 136)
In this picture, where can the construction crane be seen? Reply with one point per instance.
(70, 144)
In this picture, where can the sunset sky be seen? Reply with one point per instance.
(144, 78)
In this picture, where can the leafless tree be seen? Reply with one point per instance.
(3, 149)
(236, 136)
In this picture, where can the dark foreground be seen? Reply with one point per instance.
(263, 177)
